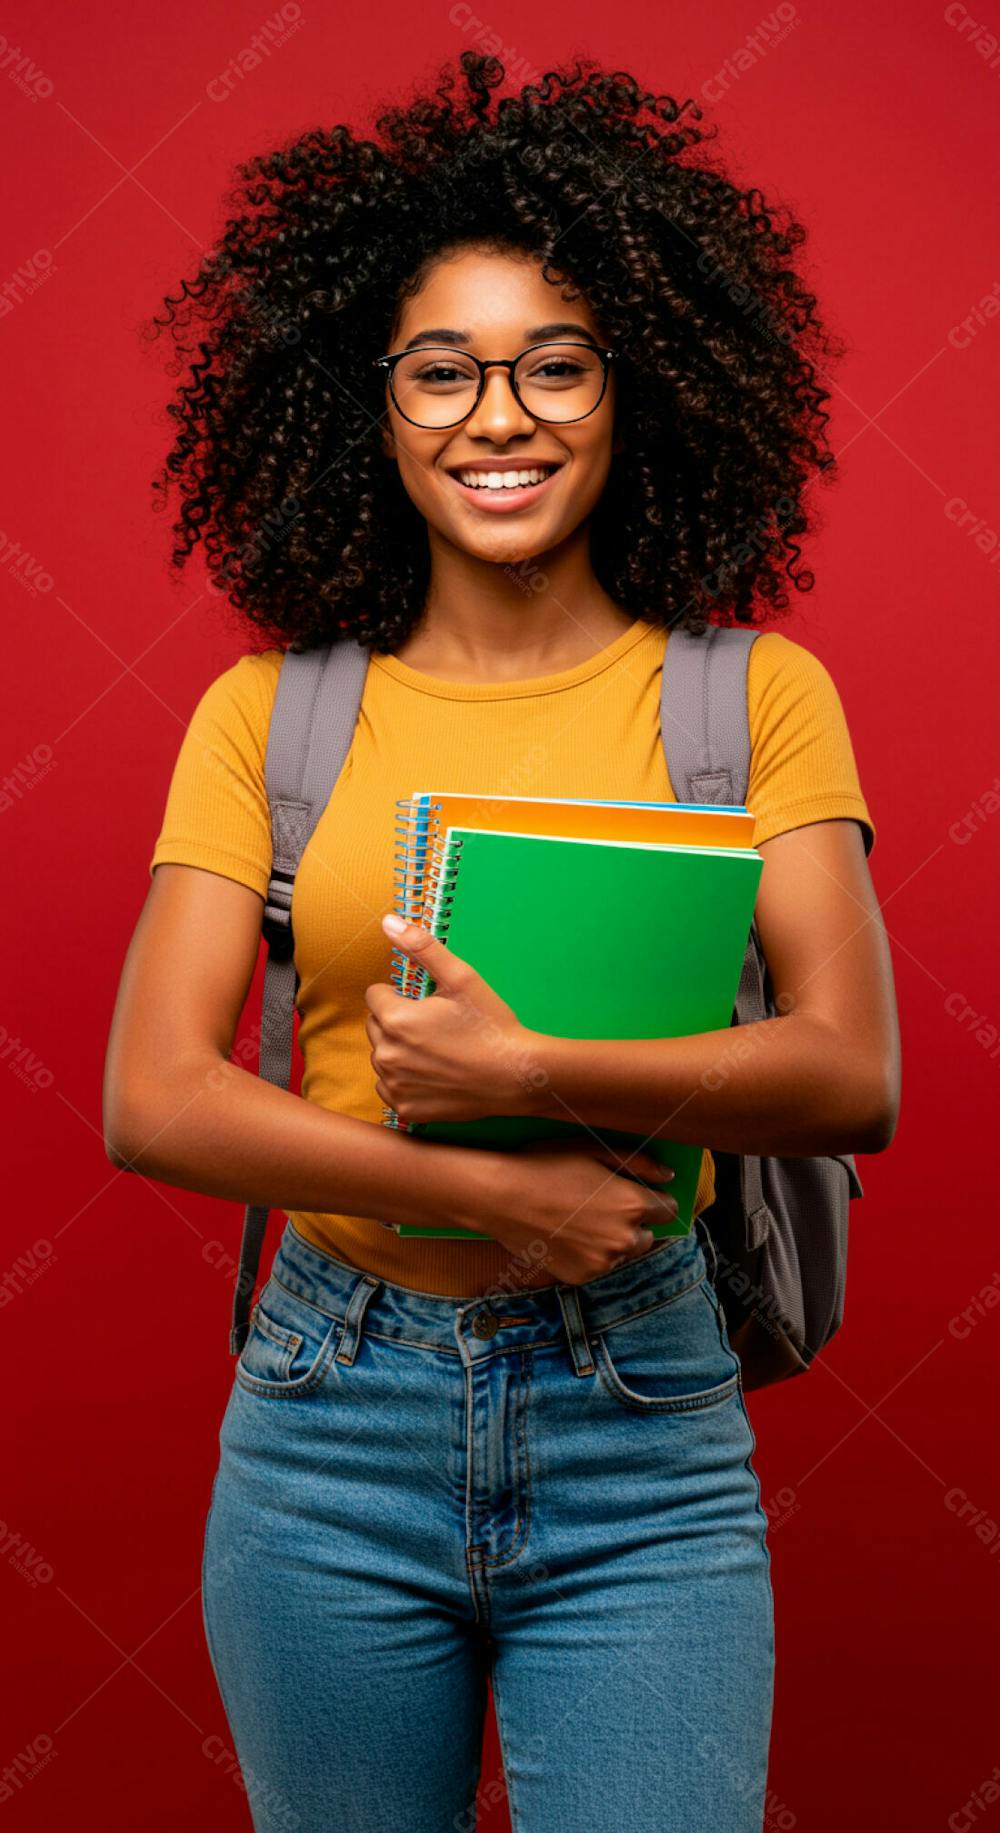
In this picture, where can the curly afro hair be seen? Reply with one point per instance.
(277, 451)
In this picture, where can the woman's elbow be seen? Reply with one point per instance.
(128, 1128)
(117, 1144)
(879, 1116)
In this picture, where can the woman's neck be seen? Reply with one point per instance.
(504, 630)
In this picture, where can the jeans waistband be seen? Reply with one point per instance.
(497, 1321)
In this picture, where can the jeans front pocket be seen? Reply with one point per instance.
(290, 1346)
(672, 1358)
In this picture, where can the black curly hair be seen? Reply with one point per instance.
(277, 454)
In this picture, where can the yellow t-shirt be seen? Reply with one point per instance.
(591, 731)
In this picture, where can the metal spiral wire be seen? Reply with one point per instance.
(424, 877)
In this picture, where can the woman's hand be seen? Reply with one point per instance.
(459, 1054)
(555, 1204)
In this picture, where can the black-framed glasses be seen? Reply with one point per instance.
(437, 386)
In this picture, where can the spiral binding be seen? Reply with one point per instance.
(410, 845)
(412, 829)
(424, 878)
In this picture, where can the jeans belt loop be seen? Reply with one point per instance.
(576, 1332)
(360, 1299)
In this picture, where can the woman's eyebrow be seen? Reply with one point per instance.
(440, 335)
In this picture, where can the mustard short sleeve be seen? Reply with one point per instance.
(217, 814)
(802, 765)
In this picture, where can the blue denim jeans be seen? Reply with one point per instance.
(551, 1490)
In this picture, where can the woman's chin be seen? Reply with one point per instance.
(502, 546)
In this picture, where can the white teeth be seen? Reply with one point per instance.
(504, 480)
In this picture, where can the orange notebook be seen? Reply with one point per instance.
(425, 817)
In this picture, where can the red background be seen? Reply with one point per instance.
(881, 135)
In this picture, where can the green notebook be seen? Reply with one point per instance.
(593, 939)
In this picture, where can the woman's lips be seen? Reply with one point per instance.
(504, 500)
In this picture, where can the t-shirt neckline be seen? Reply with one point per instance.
(513, 690)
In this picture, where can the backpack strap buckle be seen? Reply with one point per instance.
(276, 922)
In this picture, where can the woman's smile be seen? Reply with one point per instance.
(504, 487)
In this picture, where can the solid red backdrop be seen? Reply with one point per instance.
(879, 1470)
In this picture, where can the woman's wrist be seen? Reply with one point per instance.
(457, 1186)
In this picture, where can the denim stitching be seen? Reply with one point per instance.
(666, 1403)
(671, 1299)
(204, 1586)
(520, 1539)
(501, 1349)
(303, 1297)
(277, 1332)
(305, 1384)
(481, 1603)
(748, 1465)
(695, 1403)
(288, 1341)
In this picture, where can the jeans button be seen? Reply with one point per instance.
(484, 1324)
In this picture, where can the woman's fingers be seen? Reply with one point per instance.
(639, 1164)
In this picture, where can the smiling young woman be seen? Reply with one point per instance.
(478, 394)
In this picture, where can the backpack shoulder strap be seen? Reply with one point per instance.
(312, 725)
(705, 730)
(704, 717)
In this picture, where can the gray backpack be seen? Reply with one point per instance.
(777, 1229)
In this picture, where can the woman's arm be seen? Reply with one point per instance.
(822, 1077)
(176, 1109)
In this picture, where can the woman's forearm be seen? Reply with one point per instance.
(215, 1127)
(785, 1086)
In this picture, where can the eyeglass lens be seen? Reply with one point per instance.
(437, 386)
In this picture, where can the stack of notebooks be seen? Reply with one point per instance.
(591, 920)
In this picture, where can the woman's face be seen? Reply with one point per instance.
(496, 305)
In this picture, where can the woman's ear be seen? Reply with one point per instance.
(388, 443)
